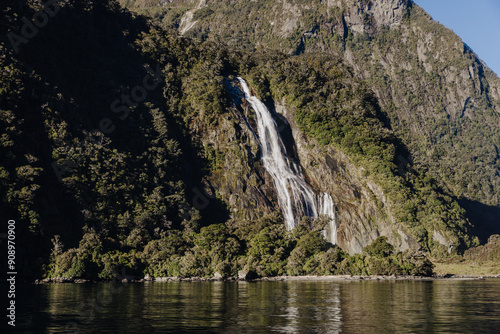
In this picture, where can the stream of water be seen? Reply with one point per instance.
(295, 196)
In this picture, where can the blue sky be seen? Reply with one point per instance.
(477, 22)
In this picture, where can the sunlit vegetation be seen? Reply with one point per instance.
(121, 199)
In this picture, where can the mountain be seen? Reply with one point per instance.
(128, 147)
(440, 99)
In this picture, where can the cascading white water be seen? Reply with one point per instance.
(327, 208)
(292, 190)
(294, 194)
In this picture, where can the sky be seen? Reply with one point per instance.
(477, 22)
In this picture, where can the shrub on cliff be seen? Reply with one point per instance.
(301, 258)
(379, 248)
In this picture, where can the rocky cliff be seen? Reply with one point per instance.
(131, 148)
(438, 96)
(363, 209)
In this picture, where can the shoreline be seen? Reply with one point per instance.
(329, 278)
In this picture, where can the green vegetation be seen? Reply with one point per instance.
(436, 88)
(481, 260)
(336, 109)
(217, 249)
(89, 203)
(435, 94)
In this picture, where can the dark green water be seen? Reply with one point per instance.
(444, 306)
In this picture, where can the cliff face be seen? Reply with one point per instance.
(130, 148)
(236, 176)
(360, 16)
(439, 97)
(444, 102)
(363, 211)
(433, 85)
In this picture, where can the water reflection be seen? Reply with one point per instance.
(281, 307)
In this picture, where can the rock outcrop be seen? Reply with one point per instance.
(361, 16)
(363, 212)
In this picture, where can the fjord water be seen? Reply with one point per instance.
(442, 306)
(295, 196)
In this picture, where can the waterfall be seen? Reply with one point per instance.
(327, 208)
(294, 194)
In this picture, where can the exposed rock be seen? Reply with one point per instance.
(287, 18)
(359, 220)
(161, 279)
(246, 275)
(187, 22)
(363, 16)
(389, 12)
(242, 274)
(81, 280)
(62, 280)
(440, 238)
(244, 185)
(426, 79)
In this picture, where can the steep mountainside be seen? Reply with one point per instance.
(439, 97)
(125, 146)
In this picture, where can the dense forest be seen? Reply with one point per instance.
(108, 161)
(440, 99)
